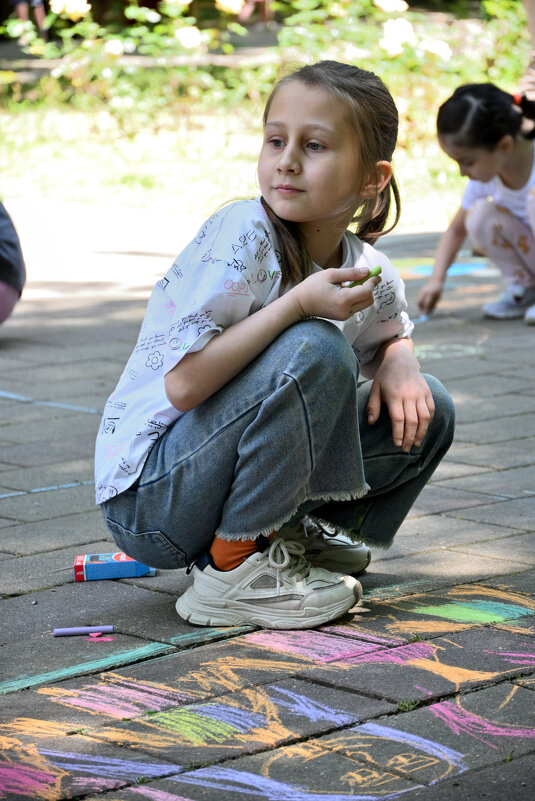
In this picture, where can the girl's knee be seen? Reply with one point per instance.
(490, 225)
(480, 219)
(325, 346)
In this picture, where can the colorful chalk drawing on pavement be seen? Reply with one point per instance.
(274, 702)
(447, 610)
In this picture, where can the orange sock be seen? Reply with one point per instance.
(228, 554)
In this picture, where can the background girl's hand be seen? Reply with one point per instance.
(322, 294)
(429, 295)
(399, 384)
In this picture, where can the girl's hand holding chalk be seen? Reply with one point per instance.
(373, 271)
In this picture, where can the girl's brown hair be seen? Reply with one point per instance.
(373, 114)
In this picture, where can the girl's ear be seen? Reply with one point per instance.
(506, 143)
(381, 177)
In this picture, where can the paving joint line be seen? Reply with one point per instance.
(17, 493)
(52, 404)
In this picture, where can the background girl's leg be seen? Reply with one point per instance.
(510, 245)
(396, 478)
(241, 463)
(529, 314)
(8, 299)
(507, 241)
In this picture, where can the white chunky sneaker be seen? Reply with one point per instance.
(334, 551)
(512, 304)
(529, 315)
(276, 588)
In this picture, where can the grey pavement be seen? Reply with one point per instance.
(426, 691)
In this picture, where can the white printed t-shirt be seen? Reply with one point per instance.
(229, 270)
(513, 199)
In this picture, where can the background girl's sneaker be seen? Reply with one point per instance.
(529, 315)
(333, 551)
(276, 588)
(512, 304)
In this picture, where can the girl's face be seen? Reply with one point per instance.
(308, 167)
(477, 163)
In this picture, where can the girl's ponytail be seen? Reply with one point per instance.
(527, 107)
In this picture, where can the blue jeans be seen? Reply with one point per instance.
(288, 436)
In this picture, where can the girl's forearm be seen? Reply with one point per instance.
(199, 375)
(449, 246)
(393, 349)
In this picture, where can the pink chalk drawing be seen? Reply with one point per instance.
(403, 655)
(121, 699)
(156, 795)
(461, 721)
(88, 784)
(24, 781)
(313, 645)
(527, 660)
(99, 638)
(355, 633)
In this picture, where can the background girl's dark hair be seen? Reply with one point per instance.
(480, 114)
(374, 117)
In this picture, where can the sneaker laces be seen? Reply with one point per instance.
(288, 556)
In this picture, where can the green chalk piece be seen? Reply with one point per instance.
(373, 271)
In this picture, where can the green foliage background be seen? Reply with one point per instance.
(125, 100)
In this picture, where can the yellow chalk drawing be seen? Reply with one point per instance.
(222, 722)
(455, 675)
(508, 698)
(224, 673)
(33, 728)
(365, 778)
(362, 746)
(29, 775)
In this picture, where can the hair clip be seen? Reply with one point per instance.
(517, 99)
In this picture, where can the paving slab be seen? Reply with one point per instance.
(156, 684)
(303, 772)
(452, 469)
(432, 669)
(65, 657)
(243, 722)
(505, 429)
(437, 497)
(519, 514)
(430, 532)
(49, 451)
(488, 726)
(70, 767)
(58, 475)
(446, 739)
(494, 456)
(428, 570)
(431, 614)
(521, 582)
(519, 548)
(515, 482)
(468, 412)
(25, 539)
(35, 572)
(513, 779)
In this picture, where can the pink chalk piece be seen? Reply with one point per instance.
(96, 634)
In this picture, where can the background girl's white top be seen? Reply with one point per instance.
(513, 199)
(229, 270)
